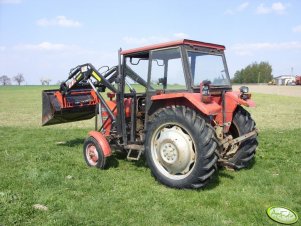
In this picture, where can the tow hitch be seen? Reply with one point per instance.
(231, 146)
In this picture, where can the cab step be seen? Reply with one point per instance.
(134, 152)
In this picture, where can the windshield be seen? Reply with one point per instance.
(206, 66)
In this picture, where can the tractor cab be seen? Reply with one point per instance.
(185, 72)
(180, 66)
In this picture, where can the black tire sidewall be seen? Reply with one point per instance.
(166, 117)
(240, 119)
(101, 158)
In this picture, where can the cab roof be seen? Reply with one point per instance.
(172, 44)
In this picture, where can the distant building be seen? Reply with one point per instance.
(284, 80)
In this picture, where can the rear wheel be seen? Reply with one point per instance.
(93, 153)
(180, 148)
(243, 124)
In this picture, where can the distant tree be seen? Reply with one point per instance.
(19, 78)
(45, 81)
(254, 73)
(5, 80)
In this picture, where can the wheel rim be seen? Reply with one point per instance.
(91, 154)
(173, 151)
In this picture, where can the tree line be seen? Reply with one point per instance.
(19, 79)
(5, 80)
(254, 73)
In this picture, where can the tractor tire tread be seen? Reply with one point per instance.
(247, 148)
(205, 145)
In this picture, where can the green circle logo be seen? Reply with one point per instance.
(282, 215)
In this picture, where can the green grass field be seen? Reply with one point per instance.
(35, 168)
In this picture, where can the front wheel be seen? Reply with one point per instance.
(180, 148)
(93, 153)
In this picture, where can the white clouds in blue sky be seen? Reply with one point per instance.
(60, 21)
(43, 46)
(47, 38)
(276, 7)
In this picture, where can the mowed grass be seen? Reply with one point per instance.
(37, 168)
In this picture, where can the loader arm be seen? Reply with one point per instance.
(81, 74)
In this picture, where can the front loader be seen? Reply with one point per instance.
(171, 102)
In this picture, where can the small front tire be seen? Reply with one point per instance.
(93, 153)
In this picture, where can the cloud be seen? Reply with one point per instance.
(153, 39)
(297, 28)
(43, 46)
(261, 9)
(240, 8)
(244, 49)
(10, 1)
(60, 21)
(276, 7)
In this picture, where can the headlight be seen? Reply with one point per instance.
(244, 89)
(244, 93)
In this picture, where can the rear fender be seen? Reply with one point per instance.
(102, 141)
(235, 97)
(192, 100)
(232, 100)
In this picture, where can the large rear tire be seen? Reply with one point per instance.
(243, 124)
(180, 148)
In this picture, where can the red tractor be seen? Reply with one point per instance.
(172, 102)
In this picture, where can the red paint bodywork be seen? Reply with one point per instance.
(102, 141)
(232, 99)
(172, 44)
(65, 104)
(213, 108)
(193, 99)
(107, 121)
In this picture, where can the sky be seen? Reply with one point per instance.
(46, 38)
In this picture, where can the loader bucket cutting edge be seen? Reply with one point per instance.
(75, 106)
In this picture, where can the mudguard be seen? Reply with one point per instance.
(194, 99)
(102, 141)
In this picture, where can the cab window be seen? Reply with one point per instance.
(167, 70)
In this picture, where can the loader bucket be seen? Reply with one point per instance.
(60, 108)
